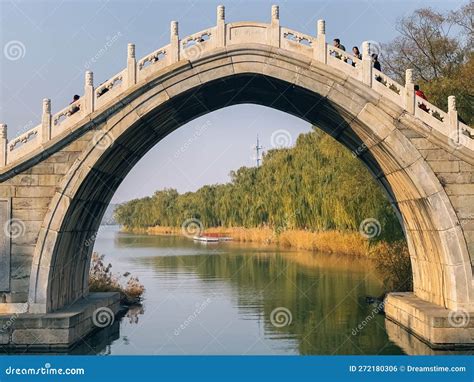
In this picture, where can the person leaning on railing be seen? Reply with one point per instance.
(74, 108)
(420, 94)
(338, 45)
(357, 54)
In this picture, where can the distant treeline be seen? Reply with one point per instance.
(315, 185)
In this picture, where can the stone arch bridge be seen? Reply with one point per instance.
(58, 178)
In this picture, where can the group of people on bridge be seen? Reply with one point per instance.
(376, 64)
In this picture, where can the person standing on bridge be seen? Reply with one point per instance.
(422, 95)
(376, 63)
(338, 45)
(357, 54)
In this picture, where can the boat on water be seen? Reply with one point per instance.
(212, 238)
(206, 239)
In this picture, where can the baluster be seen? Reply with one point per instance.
(275, 27)
(320, 49)
(131, 66)
(409, 92)
(3, 145)
(453, 118)
(88, 104)
(46, 121)
(174, 40)
(366, 64)
(220, 29)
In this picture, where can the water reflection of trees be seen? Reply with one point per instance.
(325, 295)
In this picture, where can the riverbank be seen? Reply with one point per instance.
(348, 243)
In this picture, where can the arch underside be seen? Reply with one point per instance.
(437, 247)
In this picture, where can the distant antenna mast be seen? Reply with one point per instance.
(258, 148)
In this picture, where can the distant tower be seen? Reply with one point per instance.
(257, 149)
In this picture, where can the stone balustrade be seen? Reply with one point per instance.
(195, 46)
(387, 87)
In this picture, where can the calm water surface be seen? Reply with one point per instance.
(219, 299)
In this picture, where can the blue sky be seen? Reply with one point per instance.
(59, 39)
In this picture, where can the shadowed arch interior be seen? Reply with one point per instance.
(69, 279)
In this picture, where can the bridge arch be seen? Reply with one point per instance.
(60, 175)
(354, 114)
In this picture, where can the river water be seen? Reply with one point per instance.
(233, 298)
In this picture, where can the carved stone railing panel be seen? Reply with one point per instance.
(466, 136)
(23, 138)
(61, 116)
(152, 62)
(245, 32)
(192, 47)
(344, 61)
(23, 144)
(432, 116)
(387, 87)
(296, 41)
(466, 130)
(110, 88)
